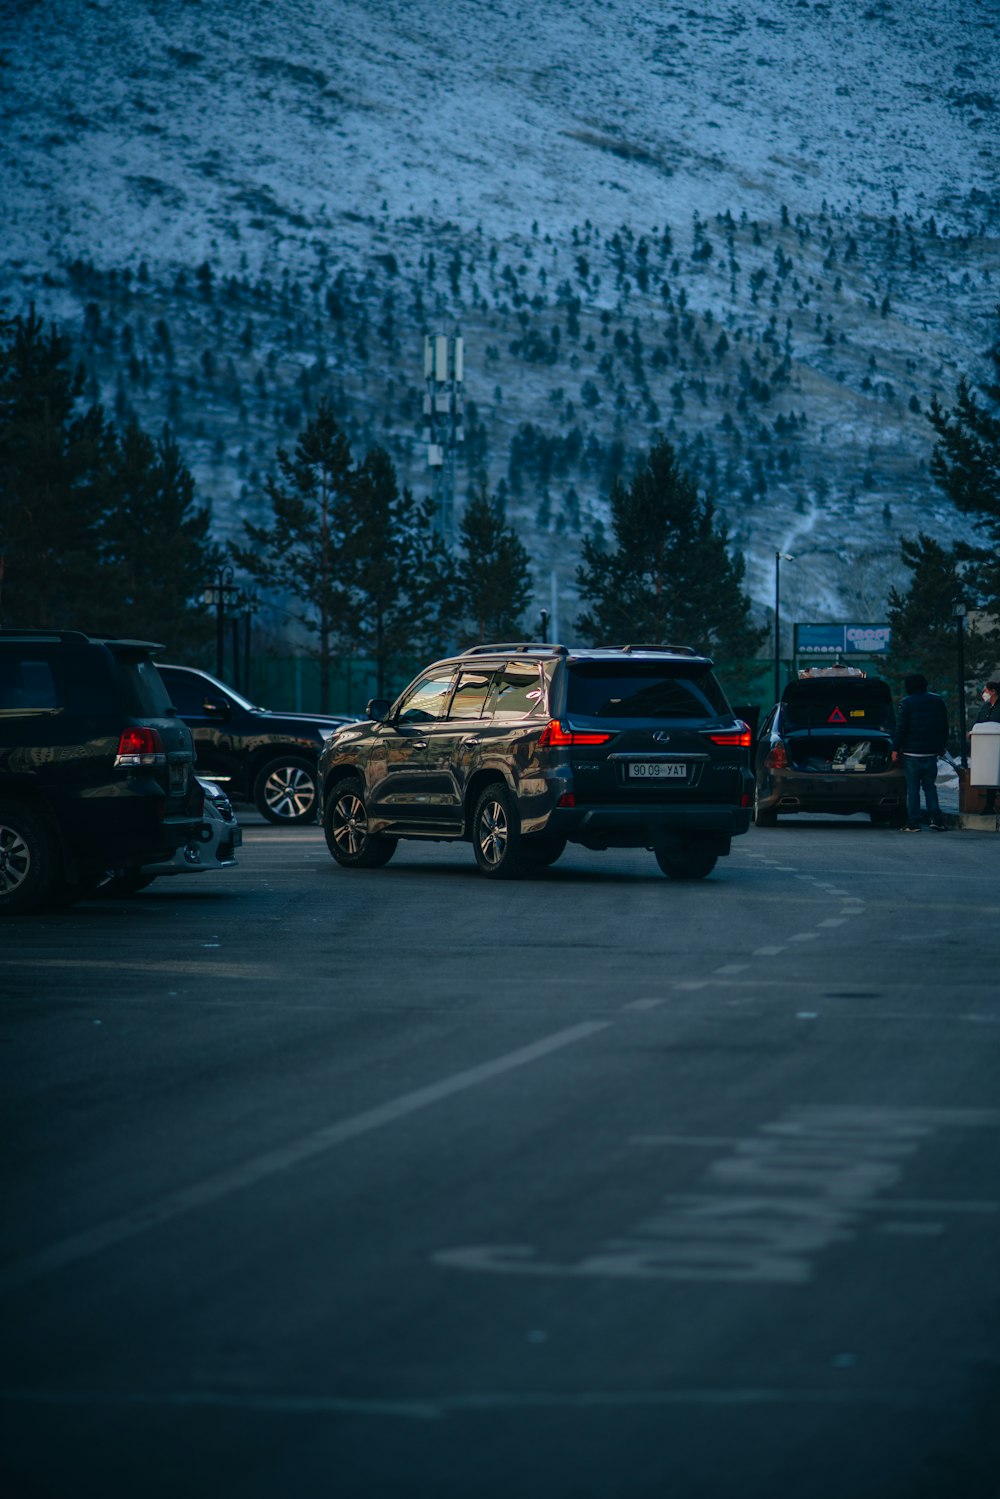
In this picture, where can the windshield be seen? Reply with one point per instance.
(644, 690)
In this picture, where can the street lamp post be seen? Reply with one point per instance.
(959, 609)
(779, 558)
(221, 592)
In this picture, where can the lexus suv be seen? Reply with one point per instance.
(827, 747)
(261, 757)
(96, 767)
(523, 748)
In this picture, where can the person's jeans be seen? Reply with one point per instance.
(921, 772)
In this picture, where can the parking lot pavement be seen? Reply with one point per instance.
(587, 1184)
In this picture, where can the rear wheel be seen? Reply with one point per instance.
(285, 790)
(691, 863)
(496, 835)
(347, 833)
(764, 817)
(31, 873)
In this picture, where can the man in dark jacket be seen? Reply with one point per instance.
(921, 736)
(990, 713)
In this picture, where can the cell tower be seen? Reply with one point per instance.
(443, 428)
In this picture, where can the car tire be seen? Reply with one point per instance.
(285, 790)
(691, 863)
(763, 817)
(496, 834)
(31, 872)
(346, 829)
(543, 849)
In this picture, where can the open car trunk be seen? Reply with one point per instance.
(822, 751)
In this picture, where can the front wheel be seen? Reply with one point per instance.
(691, 863)
(496, 835)
(347, 832)
(31, 872)
(285, 790)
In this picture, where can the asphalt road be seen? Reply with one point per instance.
(403, 1183)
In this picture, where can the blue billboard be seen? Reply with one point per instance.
(842, 640)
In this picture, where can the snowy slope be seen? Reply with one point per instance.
(263, 136)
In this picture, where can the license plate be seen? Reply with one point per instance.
(656, 770)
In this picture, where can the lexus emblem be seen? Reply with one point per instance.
(661, 736)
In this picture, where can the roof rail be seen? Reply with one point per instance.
(517, 648)
(674, 650)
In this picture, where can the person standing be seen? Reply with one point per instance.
(921, 736)
(990, 713)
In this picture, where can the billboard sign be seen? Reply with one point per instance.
(842, 640)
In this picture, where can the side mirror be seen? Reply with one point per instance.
(378, 709)
(213, 709)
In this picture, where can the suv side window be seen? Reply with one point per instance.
(188, 693)
(26, 684)
(427, 701)
(517, 690)
(471, 693)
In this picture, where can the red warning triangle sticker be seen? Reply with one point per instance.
(836, 717)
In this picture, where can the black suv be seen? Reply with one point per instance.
(524, 748)
(266, 758)
(96, 768)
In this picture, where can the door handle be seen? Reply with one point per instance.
(468, 743)
(418, 744)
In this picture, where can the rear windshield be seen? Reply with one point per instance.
(146, 695)
(644, 690)
(847, 706)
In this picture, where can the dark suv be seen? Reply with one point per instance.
(96, 768)
(262, 757)
(524, 748)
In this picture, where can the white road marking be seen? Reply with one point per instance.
(205, 968)
(833, 921)
(238, 1178)
(642, 1004)
(767, 952)
(804, 937)
(731, 968)
(440, 1406)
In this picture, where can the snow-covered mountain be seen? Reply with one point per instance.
(769, 228)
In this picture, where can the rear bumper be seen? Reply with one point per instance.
(800, 791)
(644, 827)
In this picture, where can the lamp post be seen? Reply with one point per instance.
(779, 558)
(959, 609)
(222, 593)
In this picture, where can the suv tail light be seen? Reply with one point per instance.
(777, 759)
(556, 736)
(140, 747)
(734, 738)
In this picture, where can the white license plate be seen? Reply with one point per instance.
(656, 770)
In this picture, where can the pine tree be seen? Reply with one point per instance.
(154, 545)
(401, 579)
(669, 576)
(494, 577)
(52, 453)
(924, 629)
(966, 465)
(303, 554)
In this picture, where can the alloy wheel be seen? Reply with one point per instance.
(290, 792)
(349, 824)
(15, 859)
(494, 832)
